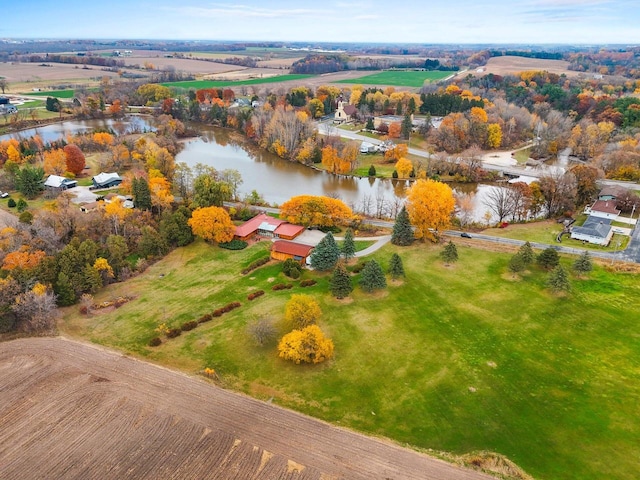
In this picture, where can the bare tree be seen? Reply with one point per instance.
(500, 202)
(464, 205)
(36, 312)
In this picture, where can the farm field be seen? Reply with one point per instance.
(400, 78)
(511, 64)
(221, 83)
(76, 411)
(460, 359)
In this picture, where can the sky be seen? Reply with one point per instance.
(575, 22)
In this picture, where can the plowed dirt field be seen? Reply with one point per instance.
(72, 410)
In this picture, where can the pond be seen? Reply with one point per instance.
(275, 179)
(56, 131)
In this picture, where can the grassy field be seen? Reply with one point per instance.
(547, 231)
(53, 93)
(458, 358)
(399, 78)
(197, 84)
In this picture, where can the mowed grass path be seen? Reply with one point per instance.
(399, 78)
(458, 358)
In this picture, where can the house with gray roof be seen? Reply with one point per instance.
(596, 230)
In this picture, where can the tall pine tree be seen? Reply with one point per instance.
(526, 252)
(402, 232)
(583, 264)
(348, 246)
(559, 280)
(141, 194)
(340, 282)
(326, 254)
(372, 277)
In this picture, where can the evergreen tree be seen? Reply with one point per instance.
(29, 181)
(402, 231)
(348, 246)
(372, 277)
(326, 254)
(65, 293)
(526, 252)
(340, 282)
(394, 174)
(450, 253)
(583, 264)
(559, 280)
(370, 125)
(174, 228)
(11, 203)
(372, 170)
(407, 126)
(396, 269)
(548, 258)
(516, 264)
(141, 194)
(22, 205)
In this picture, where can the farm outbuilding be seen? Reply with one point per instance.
(283, 249)
(106, 180)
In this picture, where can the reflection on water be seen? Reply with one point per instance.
(277, 179)
(57, 131)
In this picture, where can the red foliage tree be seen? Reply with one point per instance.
(75, 159)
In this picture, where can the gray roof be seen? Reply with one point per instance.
(106, 177)
(56, 181)
(594, 227)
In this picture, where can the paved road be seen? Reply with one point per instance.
(72, 410)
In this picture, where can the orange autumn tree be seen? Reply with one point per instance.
(75, 159)
(212, 224)
(55, 162)
(317, 211)
(396, 153)
(430, 205)
(22, 259)
(160, 188)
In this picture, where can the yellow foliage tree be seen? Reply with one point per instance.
(213, 224)
(117, 213)
(317, 211)
(430, 205)
(478, 115)
(308, 345)
(301, 311)
(55, 162)
(22, 259)
(13, 154)
(494, 135)
(396, 153)
(160, 188)
(102, 266)
(103, 139)
(404, 167)
(331, 159)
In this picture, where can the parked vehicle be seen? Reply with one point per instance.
(465, 235)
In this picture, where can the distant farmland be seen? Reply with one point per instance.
(225, 83)
(400, 78)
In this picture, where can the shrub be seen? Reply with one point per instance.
(174, 332)
(256, 294)
(282, 286)
(308, 283)
(155, 341)
(11, 203)
(253, 265)
(234, 244)
(185, 327)
(225, 309)
(291, 268)
(262, 330)
(26, 217)
(205, 318)
(308, 345)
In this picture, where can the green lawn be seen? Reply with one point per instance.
(399, 78)
(198, 84)
(359, 244)
(546, 232)
(52, 93)
(458, 358)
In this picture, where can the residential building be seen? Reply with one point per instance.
(594, 230)
(283, 249)
(106, 180)
(60, 183)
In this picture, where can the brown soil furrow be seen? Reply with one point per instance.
(72, 410)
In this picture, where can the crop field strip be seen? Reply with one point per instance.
(76, 411)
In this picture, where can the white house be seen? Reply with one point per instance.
(106, 180)
(594, 230)
(603, 209)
